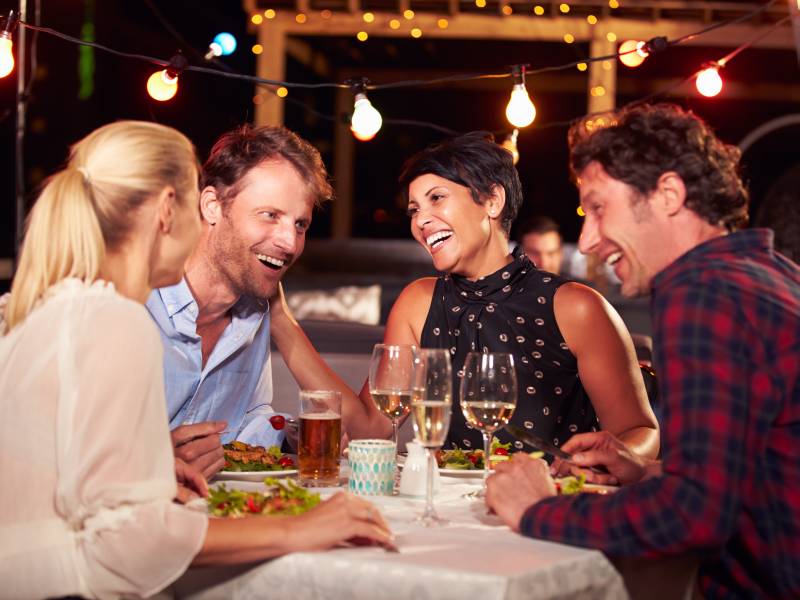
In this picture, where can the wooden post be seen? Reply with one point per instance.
(271, 64)
(343, 157)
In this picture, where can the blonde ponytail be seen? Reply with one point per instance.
(86, 208)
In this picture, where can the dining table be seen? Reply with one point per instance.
(474, 555)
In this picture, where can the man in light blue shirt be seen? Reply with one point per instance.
(259, 189)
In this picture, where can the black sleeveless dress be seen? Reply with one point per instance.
(511, 311)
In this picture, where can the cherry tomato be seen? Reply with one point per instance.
(278, 421)
(473, 458)
(286, 461)
(501, 452)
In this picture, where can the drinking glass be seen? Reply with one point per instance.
(431, 406)
(488, 398)
(320, 437)
(391, 377)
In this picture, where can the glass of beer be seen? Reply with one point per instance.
(488, 398)
(391, 377)
(320, 437)
(431, 406)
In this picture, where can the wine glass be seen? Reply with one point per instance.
(391, 377)
(431, 406)
(488, 398)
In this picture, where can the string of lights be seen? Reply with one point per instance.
(366, 120)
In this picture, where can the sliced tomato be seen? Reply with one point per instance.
(501, 452)
(286, 461)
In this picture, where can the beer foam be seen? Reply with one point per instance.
(325, 416)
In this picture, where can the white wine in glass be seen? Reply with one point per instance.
(431, 408)
(391, 375)
(488, 398)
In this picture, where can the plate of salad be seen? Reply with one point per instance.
(462, 462)
(280, 498)
(244, 462)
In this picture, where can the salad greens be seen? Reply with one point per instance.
(285, 497)
(459, 458)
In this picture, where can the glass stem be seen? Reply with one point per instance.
(429, 487)
(487, 448)
(394, 434)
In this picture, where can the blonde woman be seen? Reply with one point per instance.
(86, 505)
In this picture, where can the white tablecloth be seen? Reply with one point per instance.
(474, 557)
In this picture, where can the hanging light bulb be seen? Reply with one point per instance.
(224, 44)
(708, 81)
(520, 111)
(163, 85)
(510, 144)
(7, 45)
(366, 121)
(632, 53)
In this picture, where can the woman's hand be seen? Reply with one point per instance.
(602, 448)
(191, 483)
(342, 518)
(517, 484)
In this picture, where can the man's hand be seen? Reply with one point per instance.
(517, 484)
(602, 448)
(199, 445)
(191, 483)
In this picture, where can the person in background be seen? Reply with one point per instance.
(259, 188)
(541, 241)
(575, 360)
(664, 204)
(89, 476)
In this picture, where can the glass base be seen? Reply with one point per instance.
(431, 519)
(476, 494)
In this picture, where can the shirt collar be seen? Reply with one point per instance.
(177, 297)
(739, 242)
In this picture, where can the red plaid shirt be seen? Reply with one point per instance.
(727, 351)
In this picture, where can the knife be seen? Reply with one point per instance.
(548, 448)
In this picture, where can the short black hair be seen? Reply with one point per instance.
(475, 161)
(538, 224)
(643, 142)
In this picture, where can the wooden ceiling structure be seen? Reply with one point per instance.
(284, 24)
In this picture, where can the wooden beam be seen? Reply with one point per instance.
(305, 54)
(519, 27)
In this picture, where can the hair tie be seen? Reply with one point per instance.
(85, 172)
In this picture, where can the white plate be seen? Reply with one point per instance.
(252, 475)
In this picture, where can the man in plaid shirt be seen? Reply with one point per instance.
(663, 202)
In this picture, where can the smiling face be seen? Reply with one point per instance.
(622, 229)
(452, 227)
(262, 230)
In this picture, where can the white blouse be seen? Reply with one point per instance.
(86, 465)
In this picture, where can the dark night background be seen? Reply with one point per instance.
(206, 106)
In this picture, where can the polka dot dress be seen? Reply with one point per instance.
(511, 311)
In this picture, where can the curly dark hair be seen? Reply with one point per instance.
(475, 161)
(241, 149)
(643, 142)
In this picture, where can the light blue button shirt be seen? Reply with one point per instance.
(236, 383)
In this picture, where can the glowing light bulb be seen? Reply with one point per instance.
(162, 86)
(366, 120)
(520, 111)
(632, 53)
(708, 82)
(6, 55)
(226, 43)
